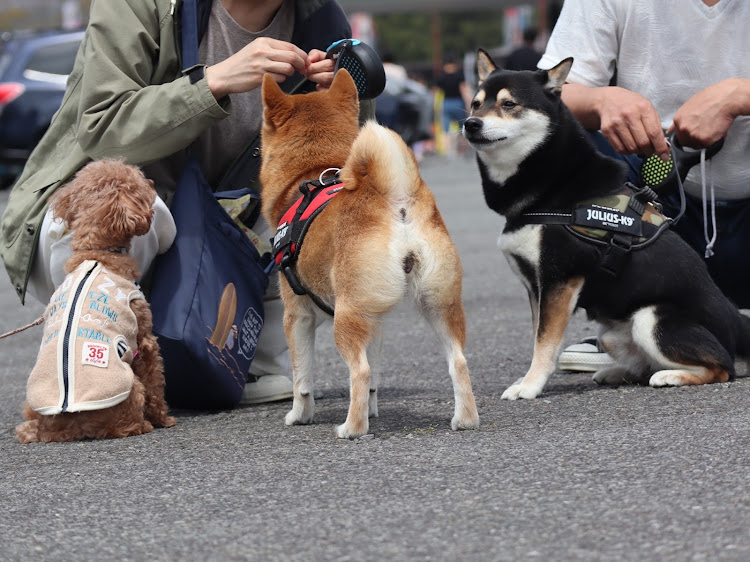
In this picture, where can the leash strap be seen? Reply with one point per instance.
(190, 41)
(19, 330)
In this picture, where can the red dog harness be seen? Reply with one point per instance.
(287, 243)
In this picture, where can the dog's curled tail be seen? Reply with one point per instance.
(743, 336)
(380, 158)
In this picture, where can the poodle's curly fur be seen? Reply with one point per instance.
(105, 205)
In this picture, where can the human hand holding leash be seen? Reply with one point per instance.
(630, 123)
(705, 117)
(320, 69)
(359, 59)
(244, 70)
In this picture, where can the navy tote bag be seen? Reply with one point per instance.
(207, 299)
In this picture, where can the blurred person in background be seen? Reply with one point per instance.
(392, 69)
(454, 92)
(405, 105)
(526, 56)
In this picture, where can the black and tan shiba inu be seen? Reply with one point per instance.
(661, 316)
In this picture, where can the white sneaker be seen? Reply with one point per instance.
(266, 388)
(584, 356)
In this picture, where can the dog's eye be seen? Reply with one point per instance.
(508, 104)
(475, 104)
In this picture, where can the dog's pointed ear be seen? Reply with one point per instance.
(343, 84)
(556, 76)
(485, 65)
(274, 100)
(344, 88)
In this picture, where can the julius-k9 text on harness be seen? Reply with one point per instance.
(294, 225)
(621, 222)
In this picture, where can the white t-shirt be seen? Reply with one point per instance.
(666, 50)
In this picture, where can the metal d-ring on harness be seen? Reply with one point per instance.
(625, 230)
(290, 234)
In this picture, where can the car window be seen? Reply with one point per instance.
(54, 59)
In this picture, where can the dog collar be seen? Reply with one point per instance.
(113, 249)
(293, 226)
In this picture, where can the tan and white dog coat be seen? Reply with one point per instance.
(88, 344)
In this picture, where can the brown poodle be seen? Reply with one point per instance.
(99, 373)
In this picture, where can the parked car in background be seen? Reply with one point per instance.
(34, 67)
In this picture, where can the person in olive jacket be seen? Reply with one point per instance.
(129, 97)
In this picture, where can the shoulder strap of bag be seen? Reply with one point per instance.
(190, 39)
(191, 33)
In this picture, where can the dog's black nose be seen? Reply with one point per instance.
(472, 124)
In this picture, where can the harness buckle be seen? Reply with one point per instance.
(616, 254)
(286, 259)
(304, 187)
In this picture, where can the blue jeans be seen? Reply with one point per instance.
(454, 109)
(730, 265)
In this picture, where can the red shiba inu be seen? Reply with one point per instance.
(378, 239)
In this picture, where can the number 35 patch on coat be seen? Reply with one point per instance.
(95, 354)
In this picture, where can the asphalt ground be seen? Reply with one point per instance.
(581, 473)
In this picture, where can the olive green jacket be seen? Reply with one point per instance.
(98, 116)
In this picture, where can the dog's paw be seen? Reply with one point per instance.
(666, 378)
(465, 422)
(351, 431)
(465, 414)
(163, 421)
(303, 408)
(28, 432)
(295, 417)
(520, 390)
(613, 375)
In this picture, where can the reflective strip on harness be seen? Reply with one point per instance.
(597, 219)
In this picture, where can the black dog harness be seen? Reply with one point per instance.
(625, 221)
(287, 243)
